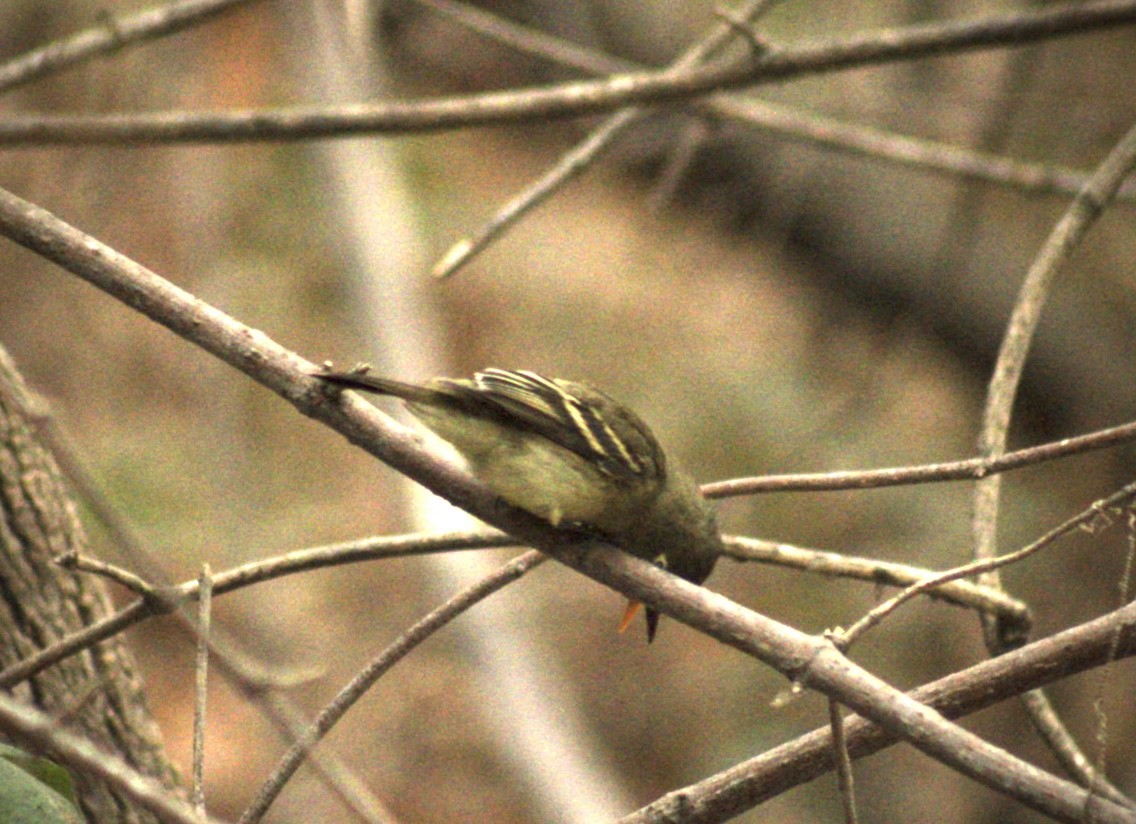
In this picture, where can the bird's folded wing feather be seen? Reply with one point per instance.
(550, 409)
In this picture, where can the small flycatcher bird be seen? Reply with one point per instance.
(570, 455)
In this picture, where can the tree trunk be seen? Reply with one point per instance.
(96, 693)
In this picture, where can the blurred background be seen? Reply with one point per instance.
(768, 305)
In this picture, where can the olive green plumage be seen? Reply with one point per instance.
(569, 454)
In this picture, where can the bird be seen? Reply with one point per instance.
(571, 455)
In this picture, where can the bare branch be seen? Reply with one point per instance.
(581, 156)
(399, 649)
(789, 651)
(962, 593)
(843, 763)
(571, 165)
(123, 577)
(201, 683)
(1066, 236)
(112, 34)
(1082, 213)
(35, 729)
(887, 573)
(527, 40)
(788, 122)
(917, 153)
(246, 575)
(571, 99)
(745, 785)
(964, 470)
(1120, 498)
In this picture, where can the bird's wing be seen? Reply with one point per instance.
(552, 409)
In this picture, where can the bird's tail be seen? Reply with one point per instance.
(382, 386)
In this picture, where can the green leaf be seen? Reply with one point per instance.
(34, 790)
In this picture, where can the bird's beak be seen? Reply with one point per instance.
(629, 614)
(652, 624)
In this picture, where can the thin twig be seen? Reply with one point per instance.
(728, 794)
(1124, 594)
(681, 153)
(404, 644)
(581, 156)
(39, 731)
(1085, 518)
(843, 762)
(201, 683)
(246, 575)
(1048, 724)
(885, 573)
(962, 593)
(571, 165)
(123, 577)
(741, 548)
(788, 122)
(250, 677)
(570, 99)
(527, 40)
(918, 153)
(112, 33)
(964, 470)
(1066, 236)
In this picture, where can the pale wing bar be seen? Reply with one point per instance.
(554, 412)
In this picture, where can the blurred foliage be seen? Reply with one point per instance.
(55, 792)
(35, 791)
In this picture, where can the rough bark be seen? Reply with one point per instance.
(98, 692)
